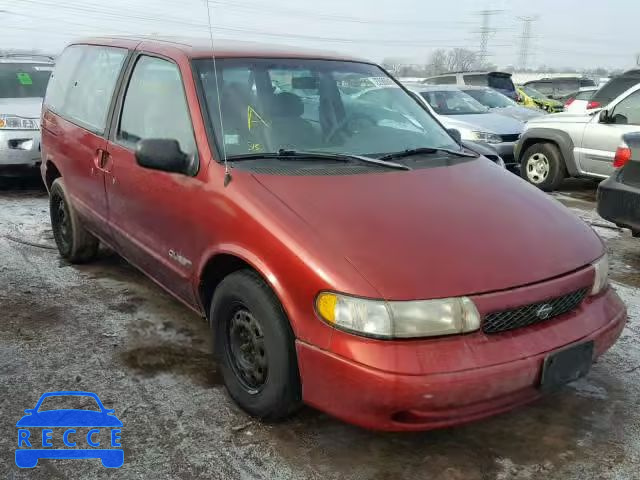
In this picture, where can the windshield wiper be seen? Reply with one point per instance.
(426, 151)
(300, 154)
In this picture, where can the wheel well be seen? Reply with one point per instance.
(532, 141)
(214, 272)
(51, 174)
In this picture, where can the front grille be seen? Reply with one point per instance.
(533, 313)
(510, 138)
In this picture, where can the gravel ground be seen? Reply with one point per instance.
(105, 328)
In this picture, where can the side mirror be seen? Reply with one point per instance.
(162, 154)
(455, 133)
(603, 116)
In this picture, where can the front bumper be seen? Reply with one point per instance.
(466, 377)
(619, 203)
(506, 151)
(19, 149)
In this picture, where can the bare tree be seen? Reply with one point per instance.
(461, 60)
(437, 62)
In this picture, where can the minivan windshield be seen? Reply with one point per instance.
(490, 98)
(266, 105)
(24, 80)
(453, 102)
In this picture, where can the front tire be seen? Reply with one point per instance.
(255, 346)
(74, 242)
(542, 165)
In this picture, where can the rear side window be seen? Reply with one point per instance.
(448, 80)
(615, 87)
(83, 84)
(155, 105)
(477, 80)
(501, 82)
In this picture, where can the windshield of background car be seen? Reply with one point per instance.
(585, 95)
(533, 93)
(24, 80)
(490, 98)
(320, 105)
(615, 87)
(453, 102)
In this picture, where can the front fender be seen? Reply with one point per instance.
(560, 138)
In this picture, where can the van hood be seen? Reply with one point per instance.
(21, 107)
(488, 122)
(467, 228)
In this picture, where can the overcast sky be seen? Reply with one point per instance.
(580, 33)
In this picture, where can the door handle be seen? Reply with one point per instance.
(102, 160)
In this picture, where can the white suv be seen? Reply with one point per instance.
(577, 145)
(23, 82)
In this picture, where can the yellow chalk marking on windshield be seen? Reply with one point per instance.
(250, 120)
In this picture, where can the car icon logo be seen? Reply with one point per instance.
(84, 433)
(544, 311)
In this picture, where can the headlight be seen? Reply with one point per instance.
(13, 122)
(483, 137)
(601, 278)
(382, 319)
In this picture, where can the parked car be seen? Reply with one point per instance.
(614, 88)
(475, 122)
(579, 102)
(531, 97)
(576, 145)
(386, 106)
(500, 81)
(619, 195)
(501, 104)
(23, 81)
(330, 256)
(558, 87)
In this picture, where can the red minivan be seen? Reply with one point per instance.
(348, 252)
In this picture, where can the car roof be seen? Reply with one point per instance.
(26, 58)
(435, 88)
(471, 72)
(204, 47)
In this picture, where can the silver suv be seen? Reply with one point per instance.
(23, 82)
(577, 145)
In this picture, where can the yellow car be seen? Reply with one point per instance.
(530, 97)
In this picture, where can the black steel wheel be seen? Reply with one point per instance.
(74, 242)
(254, 346)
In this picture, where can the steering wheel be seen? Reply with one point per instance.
(354, 122)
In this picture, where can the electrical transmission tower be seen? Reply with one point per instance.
(525, 40)
(486, 31)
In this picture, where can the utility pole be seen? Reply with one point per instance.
(485, 32)
(525, 40)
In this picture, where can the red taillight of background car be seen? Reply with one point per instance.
(623, 155)
(569, 102)
(593, 104)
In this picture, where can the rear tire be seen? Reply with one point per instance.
(542, 165)
(74, 242)
(255, 346)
